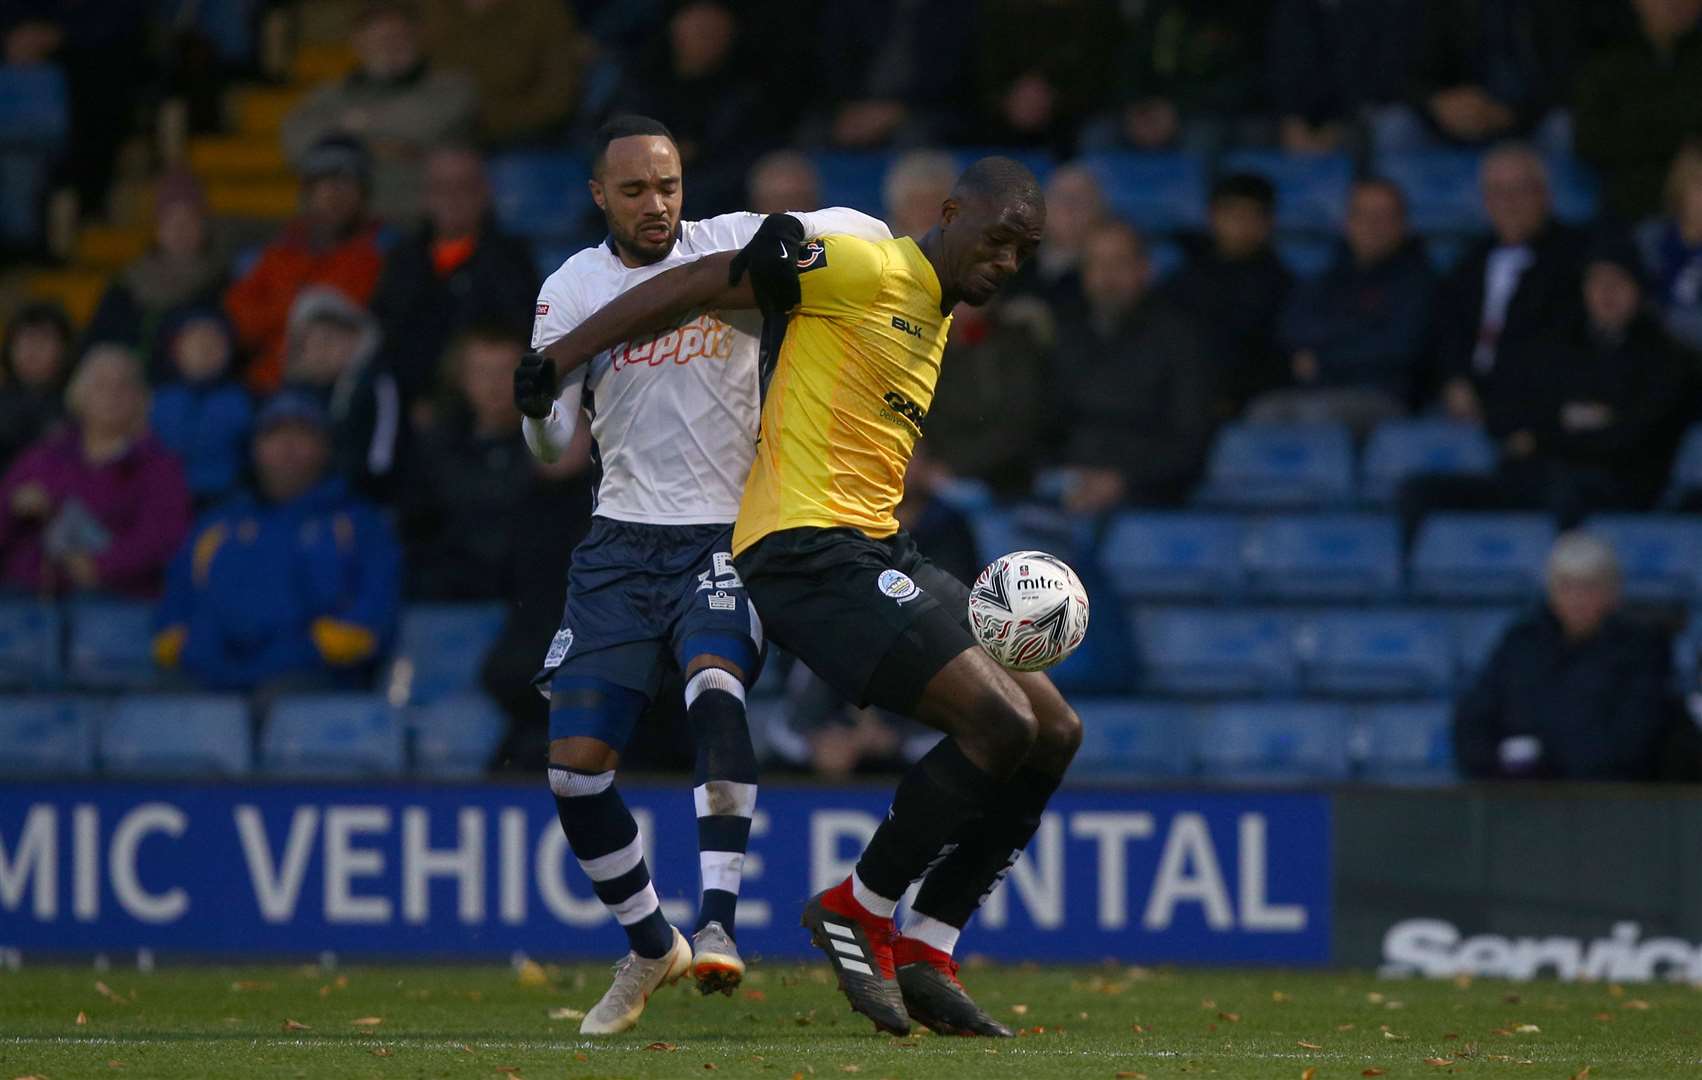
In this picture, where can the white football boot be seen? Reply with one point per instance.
(636, 978)
(715, 960)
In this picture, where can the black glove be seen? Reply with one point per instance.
(772, 261)
(535, 385)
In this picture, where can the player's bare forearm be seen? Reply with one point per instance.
(651, 307)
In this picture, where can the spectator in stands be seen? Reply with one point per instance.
(394, 101)
(1186, 67)
(35, 360)
(1357, 337)
(332, 243)
(186, 268)
(713, 104)
(468, 483)
(1637, 101)
(1329, 64)
(1044, 70)
(332, 355)
(1236, 288)
(1488, 70)
(1135, 382)
(100, 505)
(1574, 691)
(784, 180)
(1588, 415)
(526, 59)
(1672, 248)
(915, 186)
(893, 70)
(1518, 284)
(293, 587)
(203, 415)
(1075, 206)
(459, 268)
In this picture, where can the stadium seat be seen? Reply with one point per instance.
(48, 735)
(1125, 739)
(1398, 449)
(178, 736)
(1660, 556)
(111, 645)
(1039, 162)
(1196, 651)
(1279, 466)
(1157, 192)
(1100, 665)
(35, 109)
(1441, 188)
(1481, 556)
(1382, 653)
(1410, 742)
(1000, 530)
(1576, 191)
(456, 737)
(1270, 743)
(548, 257)
(1311, 189)
(339, 735)
(1477, 631)
(539, 193)
(1333, 556)
(440, 649)
(1307, 256)
(1174, 556)
(1687, 465)
(854, 178)
(29, 645)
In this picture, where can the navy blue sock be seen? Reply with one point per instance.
(724, 790)
(605, 840)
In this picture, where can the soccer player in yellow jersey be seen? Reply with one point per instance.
(843, 588)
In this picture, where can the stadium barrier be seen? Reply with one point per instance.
(1600, 883)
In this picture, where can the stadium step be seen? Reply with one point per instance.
(233, 157)
(78, 291)
(110, 247)
(322, 62)
(258, 111)
(268, 199)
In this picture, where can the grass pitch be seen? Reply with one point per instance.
(59, 1023)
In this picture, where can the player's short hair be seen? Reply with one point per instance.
(621, 127)
(1385, 185)
(1250, 186)
(1000, 180)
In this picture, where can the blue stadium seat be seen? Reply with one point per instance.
(29, 645)
(1174, 555)
(1312, 189)
(1279, 466)
(178, 736)
(338, 735)
(440, 649)
(1687, 464)
(854, 178)
(1324, 556)
(1039, 162)
(1576, 191)
(1477, 631)
(1481, 556)
(1307, 256)
(48, 735)
(1266, 743)
(1124, 738)
(1200, 651)
(1157, 192)
(1000, 530)
(111, 645)
(548, 257)
(1410, 742)
(456, 737)
(1398, 449)
(539, 193)
(1382, 653)
(1660, 556)
(1441, 188)
(34, 107)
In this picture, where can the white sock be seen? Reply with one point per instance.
(930, 931)
(874, 903)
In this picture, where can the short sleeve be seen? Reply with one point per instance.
(558, 311)
(838, 276)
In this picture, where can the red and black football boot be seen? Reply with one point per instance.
(859, 946)
(927, 978)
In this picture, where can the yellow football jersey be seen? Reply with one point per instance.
(849, 393)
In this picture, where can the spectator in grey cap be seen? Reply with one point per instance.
(1574, 691)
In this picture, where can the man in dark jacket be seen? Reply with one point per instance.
(1495, 69)
(1135, 384)
(1327, 62)
(1357, 336)
(458, 269)
(1574, 691)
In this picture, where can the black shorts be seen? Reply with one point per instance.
(874, 618)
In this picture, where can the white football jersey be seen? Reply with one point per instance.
(673, 417)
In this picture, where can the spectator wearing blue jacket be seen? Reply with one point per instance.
(295, 587)
(203, 414)
(1357, 338)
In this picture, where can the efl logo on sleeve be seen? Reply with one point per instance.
(543, 309)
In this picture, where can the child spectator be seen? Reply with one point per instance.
(203, 415)
(1672, 248)
(34, 363)
(333, 346)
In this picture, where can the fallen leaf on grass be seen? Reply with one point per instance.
(582, 1057)
(1020, 1010)
(1604, 1017)
(1582, 1074)
(565, 1013)
(755, 995)
(1309, 1073)
(295, 1025)
(107, 992)
(1280, 998)
(532, 973)
(512, 1070)
(1138, 1029)
(465, 1049)
(1344, 1027)
(367, 1021)
(1309, 1046)
(711, 1066)
(1374, 998)
(1229, 1017)
(664, 1046)
(82, 1017)
(1527, 1029)
(850, 1068)
(1636, 1003)
(1373, 1072)
(381, 1051)
(242, 985)
(115, 1064)
(1131, 1076)
(1439, 1063)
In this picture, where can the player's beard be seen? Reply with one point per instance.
(641, 250)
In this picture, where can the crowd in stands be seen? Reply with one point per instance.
(283, 444)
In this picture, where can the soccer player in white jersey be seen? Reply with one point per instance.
(673, 422)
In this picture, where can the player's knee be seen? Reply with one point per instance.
(582, 755)
(1059, 734)
(1006, 730)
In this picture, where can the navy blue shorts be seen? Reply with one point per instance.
(639, 596)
